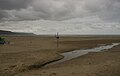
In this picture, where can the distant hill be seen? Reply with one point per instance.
(3, 32)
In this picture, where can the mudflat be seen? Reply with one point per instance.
(28, 55)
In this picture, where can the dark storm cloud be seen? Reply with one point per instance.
(13, 4)
(108, 10)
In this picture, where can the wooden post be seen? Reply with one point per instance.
(57, 37)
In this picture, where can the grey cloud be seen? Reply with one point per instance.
(13, 4)
(43, 9)
(107, 10)
(54, 9)
(2, 14)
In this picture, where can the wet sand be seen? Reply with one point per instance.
(26, 56)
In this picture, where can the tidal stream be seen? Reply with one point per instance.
(76, 53)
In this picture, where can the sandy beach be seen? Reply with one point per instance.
(27, 56)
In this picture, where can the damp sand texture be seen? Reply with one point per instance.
(26, 56)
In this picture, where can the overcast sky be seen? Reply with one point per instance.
(36, 15)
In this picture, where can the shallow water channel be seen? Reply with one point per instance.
(76, 53)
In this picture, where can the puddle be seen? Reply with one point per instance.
(77, 53)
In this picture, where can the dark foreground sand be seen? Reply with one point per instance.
(26, 56)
